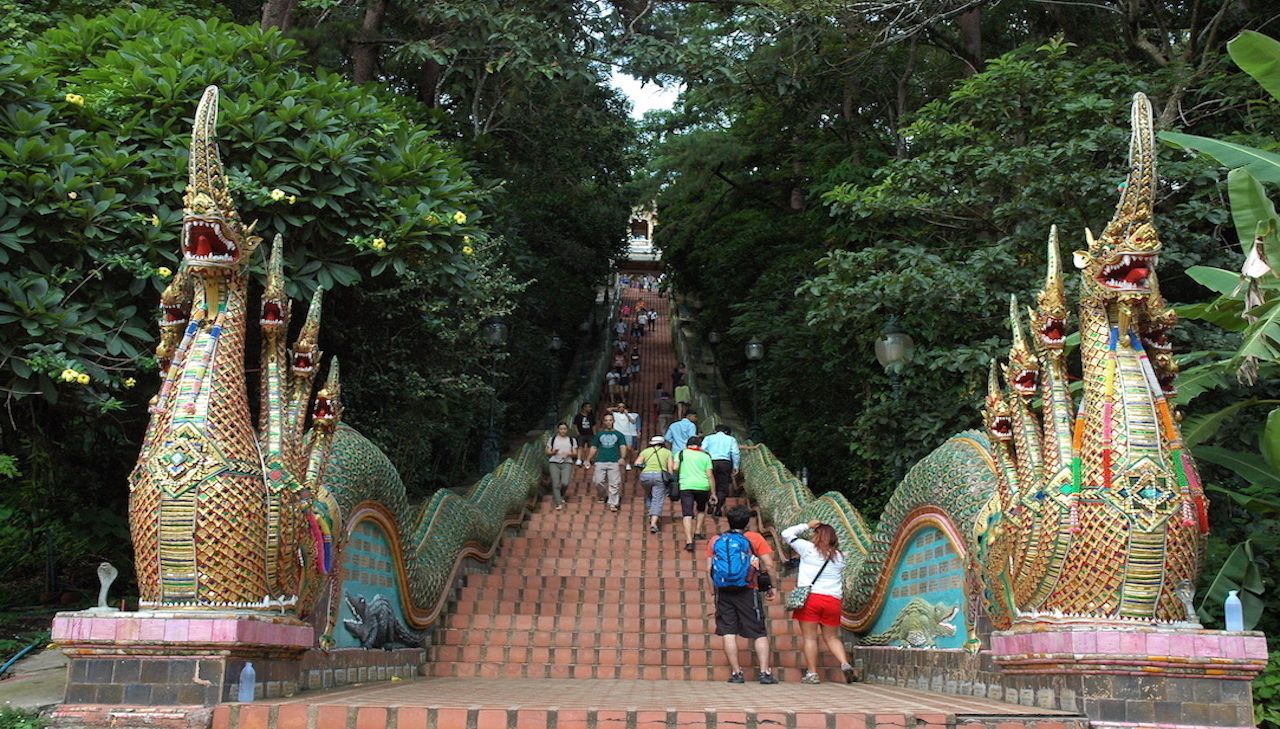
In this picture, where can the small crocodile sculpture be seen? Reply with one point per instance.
(919, 623)
(376, 624)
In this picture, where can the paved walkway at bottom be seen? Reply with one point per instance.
(530, 703)
(646, 694)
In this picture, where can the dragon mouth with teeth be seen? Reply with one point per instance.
(1001, 427)
(303, 362)
(272, 314)
(206, 244)
(324, 416)
(173, 316)
(1128, 273)
(1024, 382)
(1053, 332)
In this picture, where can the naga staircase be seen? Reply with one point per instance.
(587, 620)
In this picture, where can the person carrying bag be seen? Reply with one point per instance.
(817, 606)
(655, 477)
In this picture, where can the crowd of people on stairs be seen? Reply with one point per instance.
(680, 466)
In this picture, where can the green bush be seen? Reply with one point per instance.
(11, 718)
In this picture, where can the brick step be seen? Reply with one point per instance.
(781, 641)
(683, 564)
(652, 598)
(609, 672)
(446, 656)
(625, 614)
(696, 623)
(586, 583)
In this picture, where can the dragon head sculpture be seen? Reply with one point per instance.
(1023, 370)
(214, 240)
(1049, 318)
(996, 414)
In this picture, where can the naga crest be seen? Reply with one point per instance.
(213, 238)
(996, 409)
(1023, 371)
(1120, 263)
(1049, 318)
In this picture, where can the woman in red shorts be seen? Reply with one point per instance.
(822, 568)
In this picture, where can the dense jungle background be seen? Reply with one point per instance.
(829, 166)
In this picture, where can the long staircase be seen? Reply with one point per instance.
(588, 620)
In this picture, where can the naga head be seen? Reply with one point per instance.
(306, 353)
(328, 407)
(275, 303)
(1050, 315)
(1023, 371)
(996, 412)
(175, 302)
(214, 240)
(1118, 265)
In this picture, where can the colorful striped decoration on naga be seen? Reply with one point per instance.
(235, 516)
(1067, 512)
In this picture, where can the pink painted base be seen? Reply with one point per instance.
(1075, 648)
(178, 632)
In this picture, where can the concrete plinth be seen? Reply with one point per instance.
(173, 658)
(1139, 675)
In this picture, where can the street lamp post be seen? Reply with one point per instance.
(495, 335)
(553, 346)
(893, 351)
(755, 353)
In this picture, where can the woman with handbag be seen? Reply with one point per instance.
(816, 601)
(654, 478)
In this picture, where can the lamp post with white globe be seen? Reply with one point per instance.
(755, 353)
(893, 350)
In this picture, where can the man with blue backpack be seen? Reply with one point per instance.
(740, 567)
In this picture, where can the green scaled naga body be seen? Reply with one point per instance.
(1057, 511)
(231, 515)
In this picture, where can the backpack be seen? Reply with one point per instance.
(731, 560)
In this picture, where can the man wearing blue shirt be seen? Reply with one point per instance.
(725, 457)
(680, 431)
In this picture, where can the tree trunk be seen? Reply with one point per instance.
(278, 13)
(364, 54)
(429, 82)
(970, 24)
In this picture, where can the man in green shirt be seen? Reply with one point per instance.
(694, 468)
(608, 449)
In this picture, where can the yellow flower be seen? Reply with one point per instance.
(466, 239)
(292, 199)
(69, 375)
(164, 272)
(73, 195)
(155, 220)
(76, 99)
(82, 378)
(468, 250)
(129, 382)
(277, 194)
(460, 217)
(432, 219)
(378, 244)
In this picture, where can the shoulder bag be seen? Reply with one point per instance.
(797, 597)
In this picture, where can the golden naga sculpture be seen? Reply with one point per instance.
(1101, 514)
(224, 515)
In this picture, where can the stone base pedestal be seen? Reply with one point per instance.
(1138, 675)
(173, 659)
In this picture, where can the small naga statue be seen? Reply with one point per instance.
(1098, 511)
(225, 515)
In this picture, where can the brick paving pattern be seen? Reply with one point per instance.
(587, 620)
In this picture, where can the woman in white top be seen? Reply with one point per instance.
(560, 450)
(822, 568)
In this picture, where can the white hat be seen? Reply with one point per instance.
(657, 440)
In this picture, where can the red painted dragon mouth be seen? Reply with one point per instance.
(1053, 333)
(272, 314)
(1001, 427)
(303, 363)
(1025, 382)
(173, 315)
(206, 245)
(1129, 273)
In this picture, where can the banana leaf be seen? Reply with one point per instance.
(1263, 165)
(1253, 213)
(1241, 573)
(1259, 56)
(1248, 466)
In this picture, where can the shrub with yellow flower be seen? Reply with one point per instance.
(76, 99)
(69, 375)
(164, 272)
(432, 219)
(460, 217)
(277, 194)
(292, 199)
(129, 382)
(82, 378)
(155, 220)
(468, 251)
(73, 195)
(378, 244)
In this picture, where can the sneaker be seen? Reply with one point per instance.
(614, 509)
(736, 677)
(810, 678)
(850, 676)
(688, 547)
(699, 535)
(578, 462)
(767, 677)
(559, 507)
(653, 528)
(628, 466)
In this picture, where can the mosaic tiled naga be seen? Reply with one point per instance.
(1062, 514)
(226, 514)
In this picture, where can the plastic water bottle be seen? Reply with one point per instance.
(1234, 611)
(248, 683)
